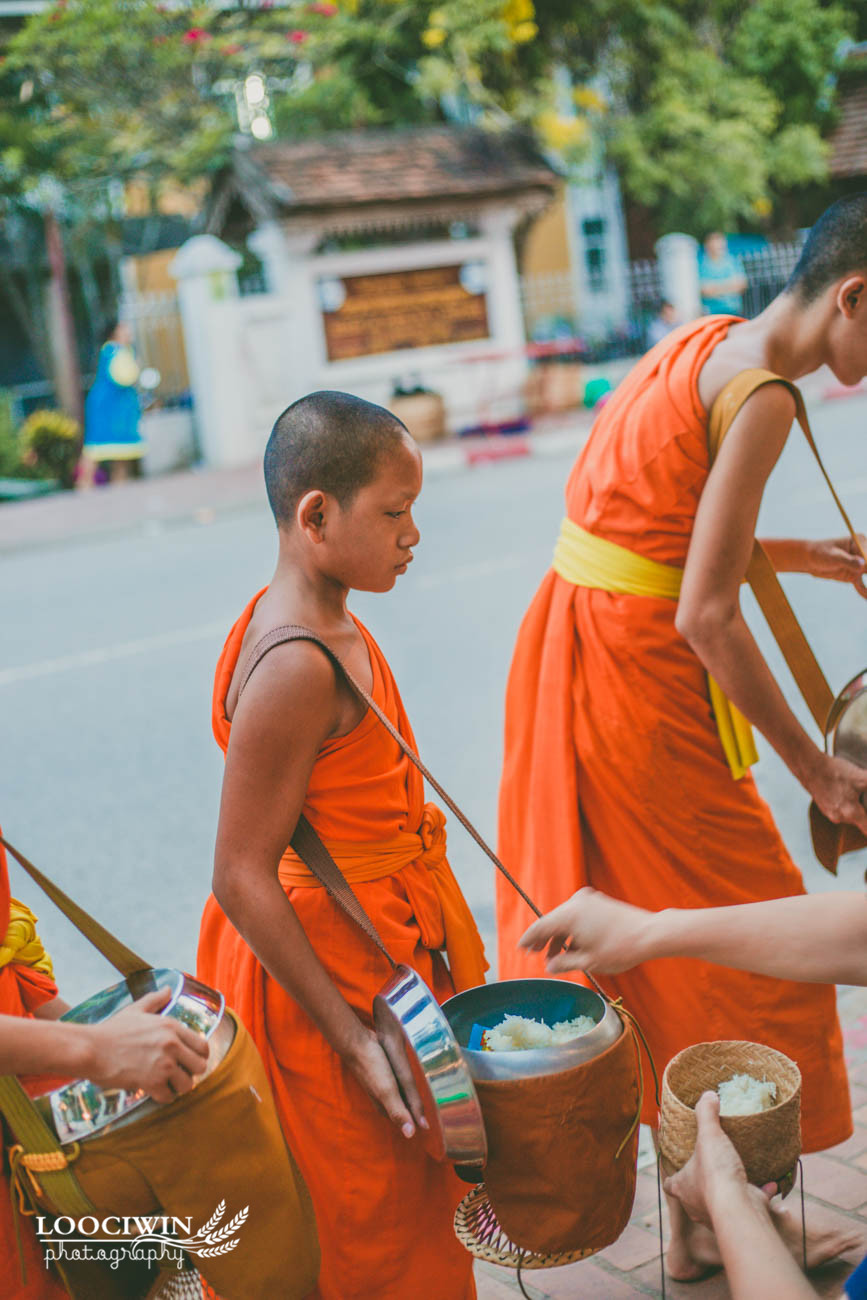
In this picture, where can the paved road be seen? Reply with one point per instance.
(109, 777)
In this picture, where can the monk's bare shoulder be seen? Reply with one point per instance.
(293, 682)
(740, 350)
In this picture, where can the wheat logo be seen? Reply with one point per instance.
(213, 1239)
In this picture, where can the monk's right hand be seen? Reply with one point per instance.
(839, 788)
(384, 1073)
(139, 1049)
(590, 931)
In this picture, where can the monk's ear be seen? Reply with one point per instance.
(310, 515)
(852, 295)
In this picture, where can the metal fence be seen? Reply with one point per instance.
(158, 336)
(552, 310)
(767, 270)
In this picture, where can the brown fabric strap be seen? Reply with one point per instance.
(296, 632)
(761, 574)
(123, 959)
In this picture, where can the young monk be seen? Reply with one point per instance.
(342, 476)
(615, 772)
(136, 1050)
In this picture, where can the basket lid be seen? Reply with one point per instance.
(408, 1018)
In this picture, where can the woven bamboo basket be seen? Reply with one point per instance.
(769, 1143)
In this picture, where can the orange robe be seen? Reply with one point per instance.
(384, 1209)
(22, 990)
(614, 774)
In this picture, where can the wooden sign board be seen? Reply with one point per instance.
(395, 310)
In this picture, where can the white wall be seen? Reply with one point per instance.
(261, 352)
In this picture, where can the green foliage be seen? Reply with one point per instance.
(49, 443)
(711, 108)
(716, 107)
(10, 453)
(790, 45)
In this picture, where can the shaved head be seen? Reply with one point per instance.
(329, 441)
(836, 244)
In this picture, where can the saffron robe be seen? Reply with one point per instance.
(614, 774)
(384, 1209)
(22, 990)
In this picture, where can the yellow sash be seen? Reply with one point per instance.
(22, 943)
(425, 849)
(589, 561)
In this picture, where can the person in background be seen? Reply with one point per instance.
(663, 323)
(112, 410)
(721, 278)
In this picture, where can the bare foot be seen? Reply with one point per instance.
(692, 1254)
(824, 1243)
(692, 1250)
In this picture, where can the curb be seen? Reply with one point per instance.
(201, 496)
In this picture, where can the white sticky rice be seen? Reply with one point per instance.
(744, 1095)
(517, 1033)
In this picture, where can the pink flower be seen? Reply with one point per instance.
(297, 38)
(323, 8)
(196, 35)
(233, 49)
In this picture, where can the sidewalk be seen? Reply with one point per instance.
(835, 1185)
(201, 495)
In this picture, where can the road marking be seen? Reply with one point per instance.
(110, 653)
(185, 636)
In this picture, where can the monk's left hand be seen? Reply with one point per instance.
(840, 560)
(591, 931)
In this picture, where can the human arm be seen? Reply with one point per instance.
(134, 1049)
(712, 1187)
(837, 558)
(51, 1010)
(733, 282)
(709, 615)
(818, 938)
(289, 709)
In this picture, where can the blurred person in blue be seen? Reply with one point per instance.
(721, 278)
(112, 410)
(663, 323)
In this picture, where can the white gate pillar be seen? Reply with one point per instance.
(677, 256)
(204, 268)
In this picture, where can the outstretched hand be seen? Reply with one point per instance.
(590, 931)
(840, 560)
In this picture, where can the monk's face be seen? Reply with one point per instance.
(371, 540)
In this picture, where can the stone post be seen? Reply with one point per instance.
(506, 319)
(205, 268)
(677, 256)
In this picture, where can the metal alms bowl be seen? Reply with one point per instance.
(409, 1019)
(548, 1000)
(846, 728)
(81, 1109)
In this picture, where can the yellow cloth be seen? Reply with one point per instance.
(22, 943)
(589, 561)
(424, 849)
